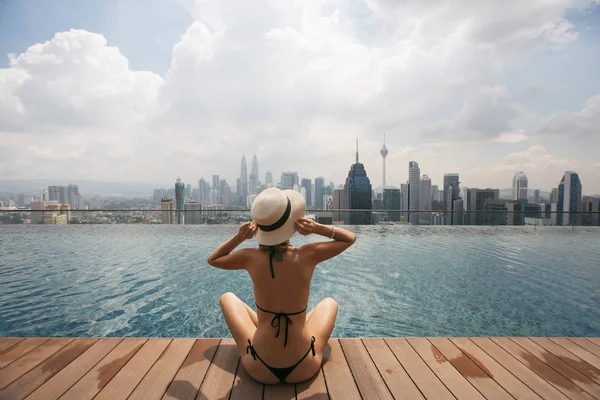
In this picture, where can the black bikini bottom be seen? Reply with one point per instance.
(281, 373)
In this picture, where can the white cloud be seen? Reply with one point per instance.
(294, 82)
(510, 137)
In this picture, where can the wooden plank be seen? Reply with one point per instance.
(280, 391)
(594, 340)
(524, 374)
(450, 377)
(123, 383)
(221, 373)
(155, 383)
(19, 349)
(559, 365)
(186, 383)
(427, 382)
(542, 369)
(6, 343)
(245, 387)
(97, 378)
(578, 351)
(507, 380)
(394, 375)
(478, 375)
(30, 360)
(365, 373)
(64, 379)
(338, 377)
(582, 366)
(313, 389)
(27, 383)
(588, 345)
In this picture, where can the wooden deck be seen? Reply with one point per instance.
(413, 368)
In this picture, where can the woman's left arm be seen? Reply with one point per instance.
(222, 256)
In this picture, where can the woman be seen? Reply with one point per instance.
(280, 342)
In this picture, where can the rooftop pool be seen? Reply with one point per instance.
(396, 281)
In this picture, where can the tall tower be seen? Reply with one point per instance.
(243, 180)
(179, 196)
(357, 195)
(569, 199)
(520, 186)
(384, 153)
(253, 179)
(414, 200)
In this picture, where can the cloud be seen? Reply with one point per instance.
(510, 137)
(293, 82)
(579, 125)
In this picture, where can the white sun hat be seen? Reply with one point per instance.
(275, 212)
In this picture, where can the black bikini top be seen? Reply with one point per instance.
(276, 255)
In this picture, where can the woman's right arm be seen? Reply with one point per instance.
(321, 251)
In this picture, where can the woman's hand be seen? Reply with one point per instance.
(247, 230)
(305, 226)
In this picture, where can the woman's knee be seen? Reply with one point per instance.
(227, 298)
(330, 303)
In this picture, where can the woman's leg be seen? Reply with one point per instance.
(241, 319)
(320, 321)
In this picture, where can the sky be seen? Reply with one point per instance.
(132, 91)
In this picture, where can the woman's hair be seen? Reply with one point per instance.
(277, 247)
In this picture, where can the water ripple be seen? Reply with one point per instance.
(395, 281)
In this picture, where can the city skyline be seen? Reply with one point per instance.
(483, 91)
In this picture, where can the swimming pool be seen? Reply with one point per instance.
(153, 281)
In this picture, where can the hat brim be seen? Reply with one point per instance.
(288, 229)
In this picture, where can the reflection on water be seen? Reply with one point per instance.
(396, 281)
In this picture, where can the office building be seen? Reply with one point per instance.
(414, 199)
(425, 196)
(65, 195)
(242, 191)
(37, 212)
(338, 202)
(520, 186)
(391, 203)
(307, 185)
(569, 199)
(193, 213)
(204, 191)
(404, 200)
(269, 179)
(166, 211)
(590, 206)
(289, 179)
(320, 191)
(475, 204)
(451, 190)
(253, 181)
(179, 201)
(554, 195)
(536, 196)
(503, 212)
(357, 194)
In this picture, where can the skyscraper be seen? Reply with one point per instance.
(475, 204)
(391, 203)
(307, 185)
(425, 196)
(193, 213)
(554, 195)
(319, 192)
(384, 153)
(357, 194)
(243, 193)
(289, 179)
(404, 199)
(569, 199)
(435, 195)
(269, 179)
(204, 191)
(166, 214)
(520, 186)
(179, 200)
(414, 200)
(253, 182)
(451, 190)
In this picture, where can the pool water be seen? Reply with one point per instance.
(154, 281)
